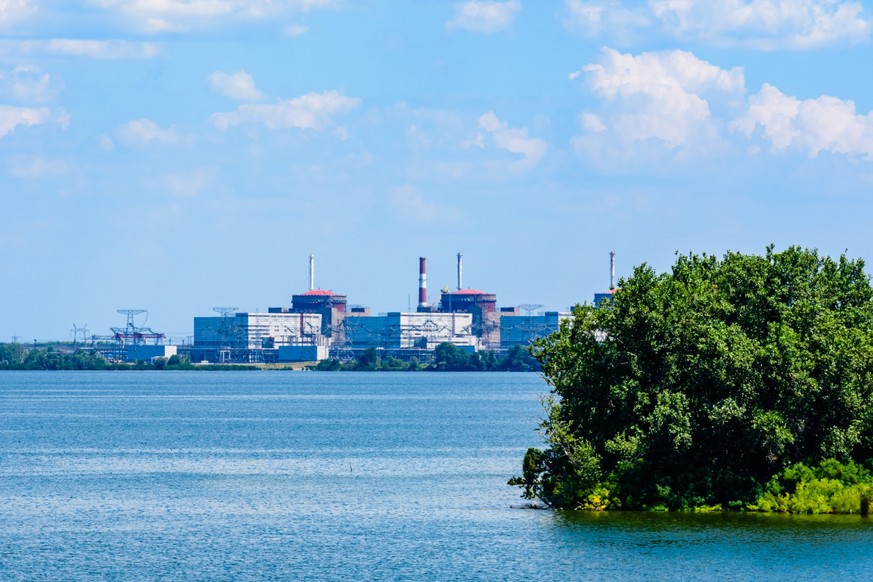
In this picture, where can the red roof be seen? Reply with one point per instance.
(321, 292)
(468, 292)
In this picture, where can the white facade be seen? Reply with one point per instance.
(148, 353)
(410, 330)
(253, 331)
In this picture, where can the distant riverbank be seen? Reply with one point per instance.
(447, 358)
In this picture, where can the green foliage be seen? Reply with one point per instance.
(829, 487)
(447, 358)
(694, 387)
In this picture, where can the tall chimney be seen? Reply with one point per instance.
(311, 272)
(611, 270)
(460, 286)
(422, 283)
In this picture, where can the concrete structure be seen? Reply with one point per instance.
(522, 330)
(331, 306)
(482, 306)
(402, 331)
(147, 353)
(253, 337)
(302, 353)
(603, 298)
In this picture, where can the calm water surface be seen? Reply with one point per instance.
(294, 475)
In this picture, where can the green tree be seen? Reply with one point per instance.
(369, 359)
(695, 387)
(450, 358)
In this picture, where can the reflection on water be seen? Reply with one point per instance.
(337, 476)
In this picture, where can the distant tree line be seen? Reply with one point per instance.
(447, 358)
(15, 356)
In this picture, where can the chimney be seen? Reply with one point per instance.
(459, 272)
(611, 270)
(311, 272)
(422, 283)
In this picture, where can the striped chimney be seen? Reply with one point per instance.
(422, 282)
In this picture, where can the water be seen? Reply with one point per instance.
(289, 475)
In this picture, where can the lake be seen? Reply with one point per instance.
(334, 476)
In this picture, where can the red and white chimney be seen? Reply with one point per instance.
(422, 283)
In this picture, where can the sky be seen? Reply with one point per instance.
(179, 155)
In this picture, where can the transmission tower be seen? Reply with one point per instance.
(130, 313)
(225, 311)
(131, 333)
(529, 329)
(79, 331)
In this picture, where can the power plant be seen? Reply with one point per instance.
(319, 323)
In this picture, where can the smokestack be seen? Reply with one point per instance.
(311, 272)
(611, 270)
(422, 283)
(460, 286)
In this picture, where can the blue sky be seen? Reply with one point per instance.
(178, 155)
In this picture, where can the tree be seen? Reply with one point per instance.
(696, 386)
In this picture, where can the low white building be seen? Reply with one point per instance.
(399, 331)
(241, 336)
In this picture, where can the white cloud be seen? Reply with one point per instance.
(12, 117)
(139, 132)
(409, 204)
(28, 85)
(756, 24)
(95, 49)
(514, 140)
(592, 123)
(605, 17)
(484, 16)
(14, 11)
(157, 16)
(295, 30)
(310, 111)
(34, 167)
(189, 183)
(238, 86)
(663, 96)
(810, 125)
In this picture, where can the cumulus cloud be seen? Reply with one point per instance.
(12, 117)
(140, 132)
(14, 11)
(157, 16)
(810, 125)
(295, 30)
(514, 140)
(663, 96)
(484, 16)
(756, 24)
(94, 49)
(310, 111)
(28, 85)
(238, 86)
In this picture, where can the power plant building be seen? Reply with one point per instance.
(253, 337)
(410, 331)
(522, 330)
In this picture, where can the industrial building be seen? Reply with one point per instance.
(254, 337)
(320, 323)
(409, 331)
(522, 330)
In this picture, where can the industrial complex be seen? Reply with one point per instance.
(320, 324)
